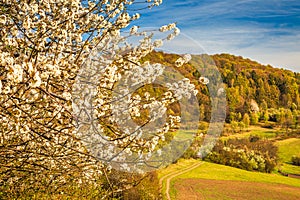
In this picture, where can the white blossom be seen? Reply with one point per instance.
(2, 19)
(133, 30)
(204, 80)
(42, 51)
(36, 80)
(187, 58)
(176, 31)
(158, 43)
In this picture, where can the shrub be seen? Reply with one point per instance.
(146, 189)
(296, 160)
(249, 154)
(192, 151)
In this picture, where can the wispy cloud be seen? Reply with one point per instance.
(251, 28)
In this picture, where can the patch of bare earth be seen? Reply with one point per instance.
(190, 189)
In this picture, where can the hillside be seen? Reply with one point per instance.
(269, 87)
(212, 181)
(245, 80)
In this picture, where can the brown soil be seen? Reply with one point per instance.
(190, 189)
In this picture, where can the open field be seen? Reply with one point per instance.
(254, 131)
(219, 189)
(168, 178)
(289, 168)
(286, 149)
(212, 181)
(185, 134)
(212, 177)
(259, 131)
(221, 172)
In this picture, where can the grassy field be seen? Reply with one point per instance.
(210, 171)
(286, 149)
(212, 181)
(263, 132)
(185, 134)
(254, 131)
(221, 172)
(219, 189)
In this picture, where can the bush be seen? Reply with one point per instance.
(146, 189)
(249, 154)
(296, 160)
(192, 151)
(189, 153)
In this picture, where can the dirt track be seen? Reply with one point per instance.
(172, 175)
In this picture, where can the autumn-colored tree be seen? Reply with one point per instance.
(254, 118)
(246, 120)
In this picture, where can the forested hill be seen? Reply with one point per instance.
(245, 81)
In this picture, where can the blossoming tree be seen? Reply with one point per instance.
(66, 72)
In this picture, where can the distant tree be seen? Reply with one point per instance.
(246, 120)
(254, 118)
(249, 154)
(264, 105)
(296, 160)
(288, 119)
(239, 117)
(260, 92)
(265, 116)
(297, 121)
(294, 107)
(234, 126)
(232, 116)
(241, 126)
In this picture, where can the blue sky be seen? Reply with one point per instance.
(266, 31)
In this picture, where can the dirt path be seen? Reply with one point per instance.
(172, 175)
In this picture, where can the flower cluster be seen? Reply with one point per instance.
(183, 88)
(42, 46)
(182, 60)
(204, 80)
(68, 82)
(130, 126)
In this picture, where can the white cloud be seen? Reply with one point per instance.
(266, 31)
(279, 51)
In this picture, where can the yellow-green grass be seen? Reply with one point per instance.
(185, 134)
(254, 131)
(263, 132)
(213, 171)
(220, 172)
(251, 131)
(286, 149)
(180, 165)
(289, 168)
